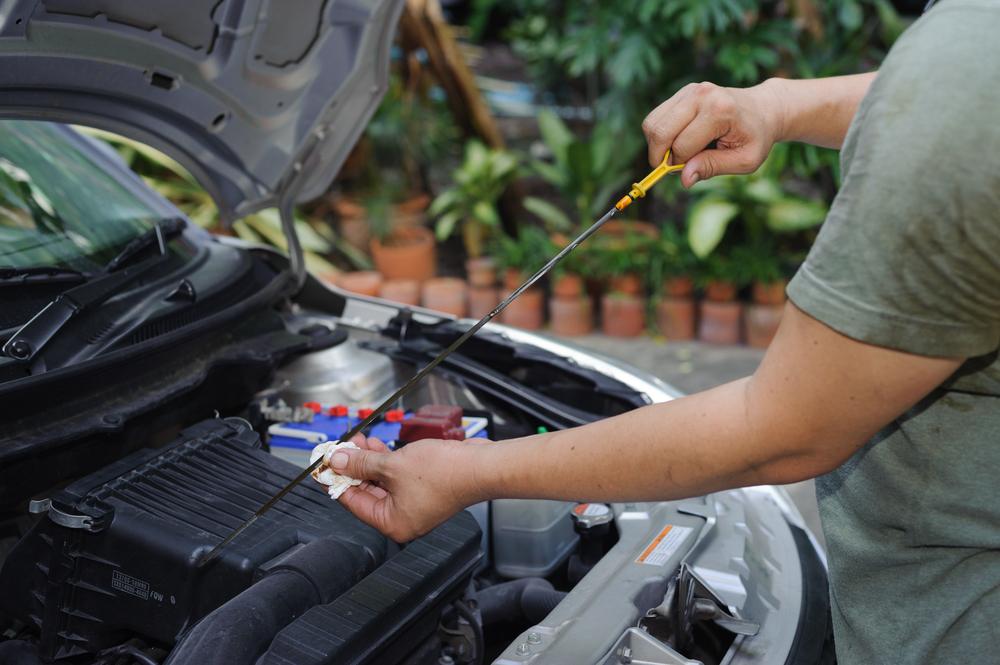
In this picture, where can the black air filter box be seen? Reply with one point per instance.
(117, 555)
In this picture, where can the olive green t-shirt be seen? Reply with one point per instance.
(909, 258)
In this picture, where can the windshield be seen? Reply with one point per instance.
(63, 203)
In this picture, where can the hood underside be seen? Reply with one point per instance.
(260, 99)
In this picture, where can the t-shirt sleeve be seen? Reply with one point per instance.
(909, 256)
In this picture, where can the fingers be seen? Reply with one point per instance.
(361, 464)
(665, 122)
(369, 443)
(693, 138)
(710, 163)
(363, 504)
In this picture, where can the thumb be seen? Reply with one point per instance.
(710, 163)
(360, 464)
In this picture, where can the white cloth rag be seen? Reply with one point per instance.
(336, 484)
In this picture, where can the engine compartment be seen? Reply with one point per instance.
(106, 569)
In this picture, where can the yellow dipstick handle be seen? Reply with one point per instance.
(640, 188)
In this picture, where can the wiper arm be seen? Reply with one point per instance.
(39, 275)
(160, 233)
(25, 344)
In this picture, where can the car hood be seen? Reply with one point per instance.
(259, 99)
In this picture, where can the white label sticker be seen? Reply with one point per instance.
(661, 548)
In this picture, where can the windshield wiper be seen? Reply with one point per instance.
(39, 275)
(163, 231)
(43, 326)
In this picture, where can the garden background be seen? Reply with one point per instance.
(510, 125)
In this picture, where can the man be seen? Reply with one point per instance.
(883, 378)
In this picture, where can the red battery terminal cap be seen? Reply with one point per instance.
(338, 410)
(394, 415)
(315, 407)
(364, 413)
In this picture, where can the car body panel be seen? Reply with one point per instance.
(258, 99)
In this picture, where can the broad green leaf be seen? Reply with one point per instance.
(707, 223)
(445, 226)
(485, 212)
(764, 190)
(555, 133)
(551, 215)
(551, 173)
(444, 201)
(795, 215)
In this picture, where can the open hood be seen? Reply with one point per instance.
(260, 99)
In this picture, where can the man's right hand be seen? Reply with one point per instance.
(744, 122)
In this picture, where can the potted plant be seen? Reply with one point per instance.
(586, 173)
(470, 202)
(409, 133)
(520, 257)
(400, 250)
(672, 265)
(571, 312)
(763, 268)
(445, 294)
(622, 265)
(719, 313)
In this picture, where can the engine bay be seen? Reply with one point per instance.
(105, 569)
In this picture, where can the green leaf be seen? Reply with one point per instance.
(795, 215)
(444, 201)
(550, 215)
(707, 223)
(764, 190)
(850, 15)
(445, 226)
(485, 213)
(555, 133)
(549, 172)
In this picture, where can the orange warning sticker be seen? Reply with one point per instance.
(663, 546)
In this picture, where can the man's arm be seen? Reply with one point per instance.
(816, 398)
(745, 123)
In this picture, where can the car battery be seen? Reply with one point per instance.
(294, 441)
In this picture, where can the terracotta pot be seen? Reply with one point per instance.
(678, 287)
(571, 317)
(482, 300)
(567, 287)
(363, 282)
(623, 315)
(720, 291)
(348, 207)
(408, 253)
(772, 293)
(482, 271)
(527, 311)
(405, 291)
(445, 294)
(629, 285)
(762, 323)
(719, 322)
(675, 318)
(415, 205)
(617, 231)
(513, 278)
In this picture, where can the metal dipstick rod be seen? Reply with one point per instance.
(638, 190)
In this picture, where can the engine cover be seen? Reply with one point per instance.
(117, 555)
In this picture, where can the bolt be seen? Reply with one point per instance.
(534, 638)
(112, 419)
(522, 649)
(445, 659)
(19, 350)
(625, 655)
